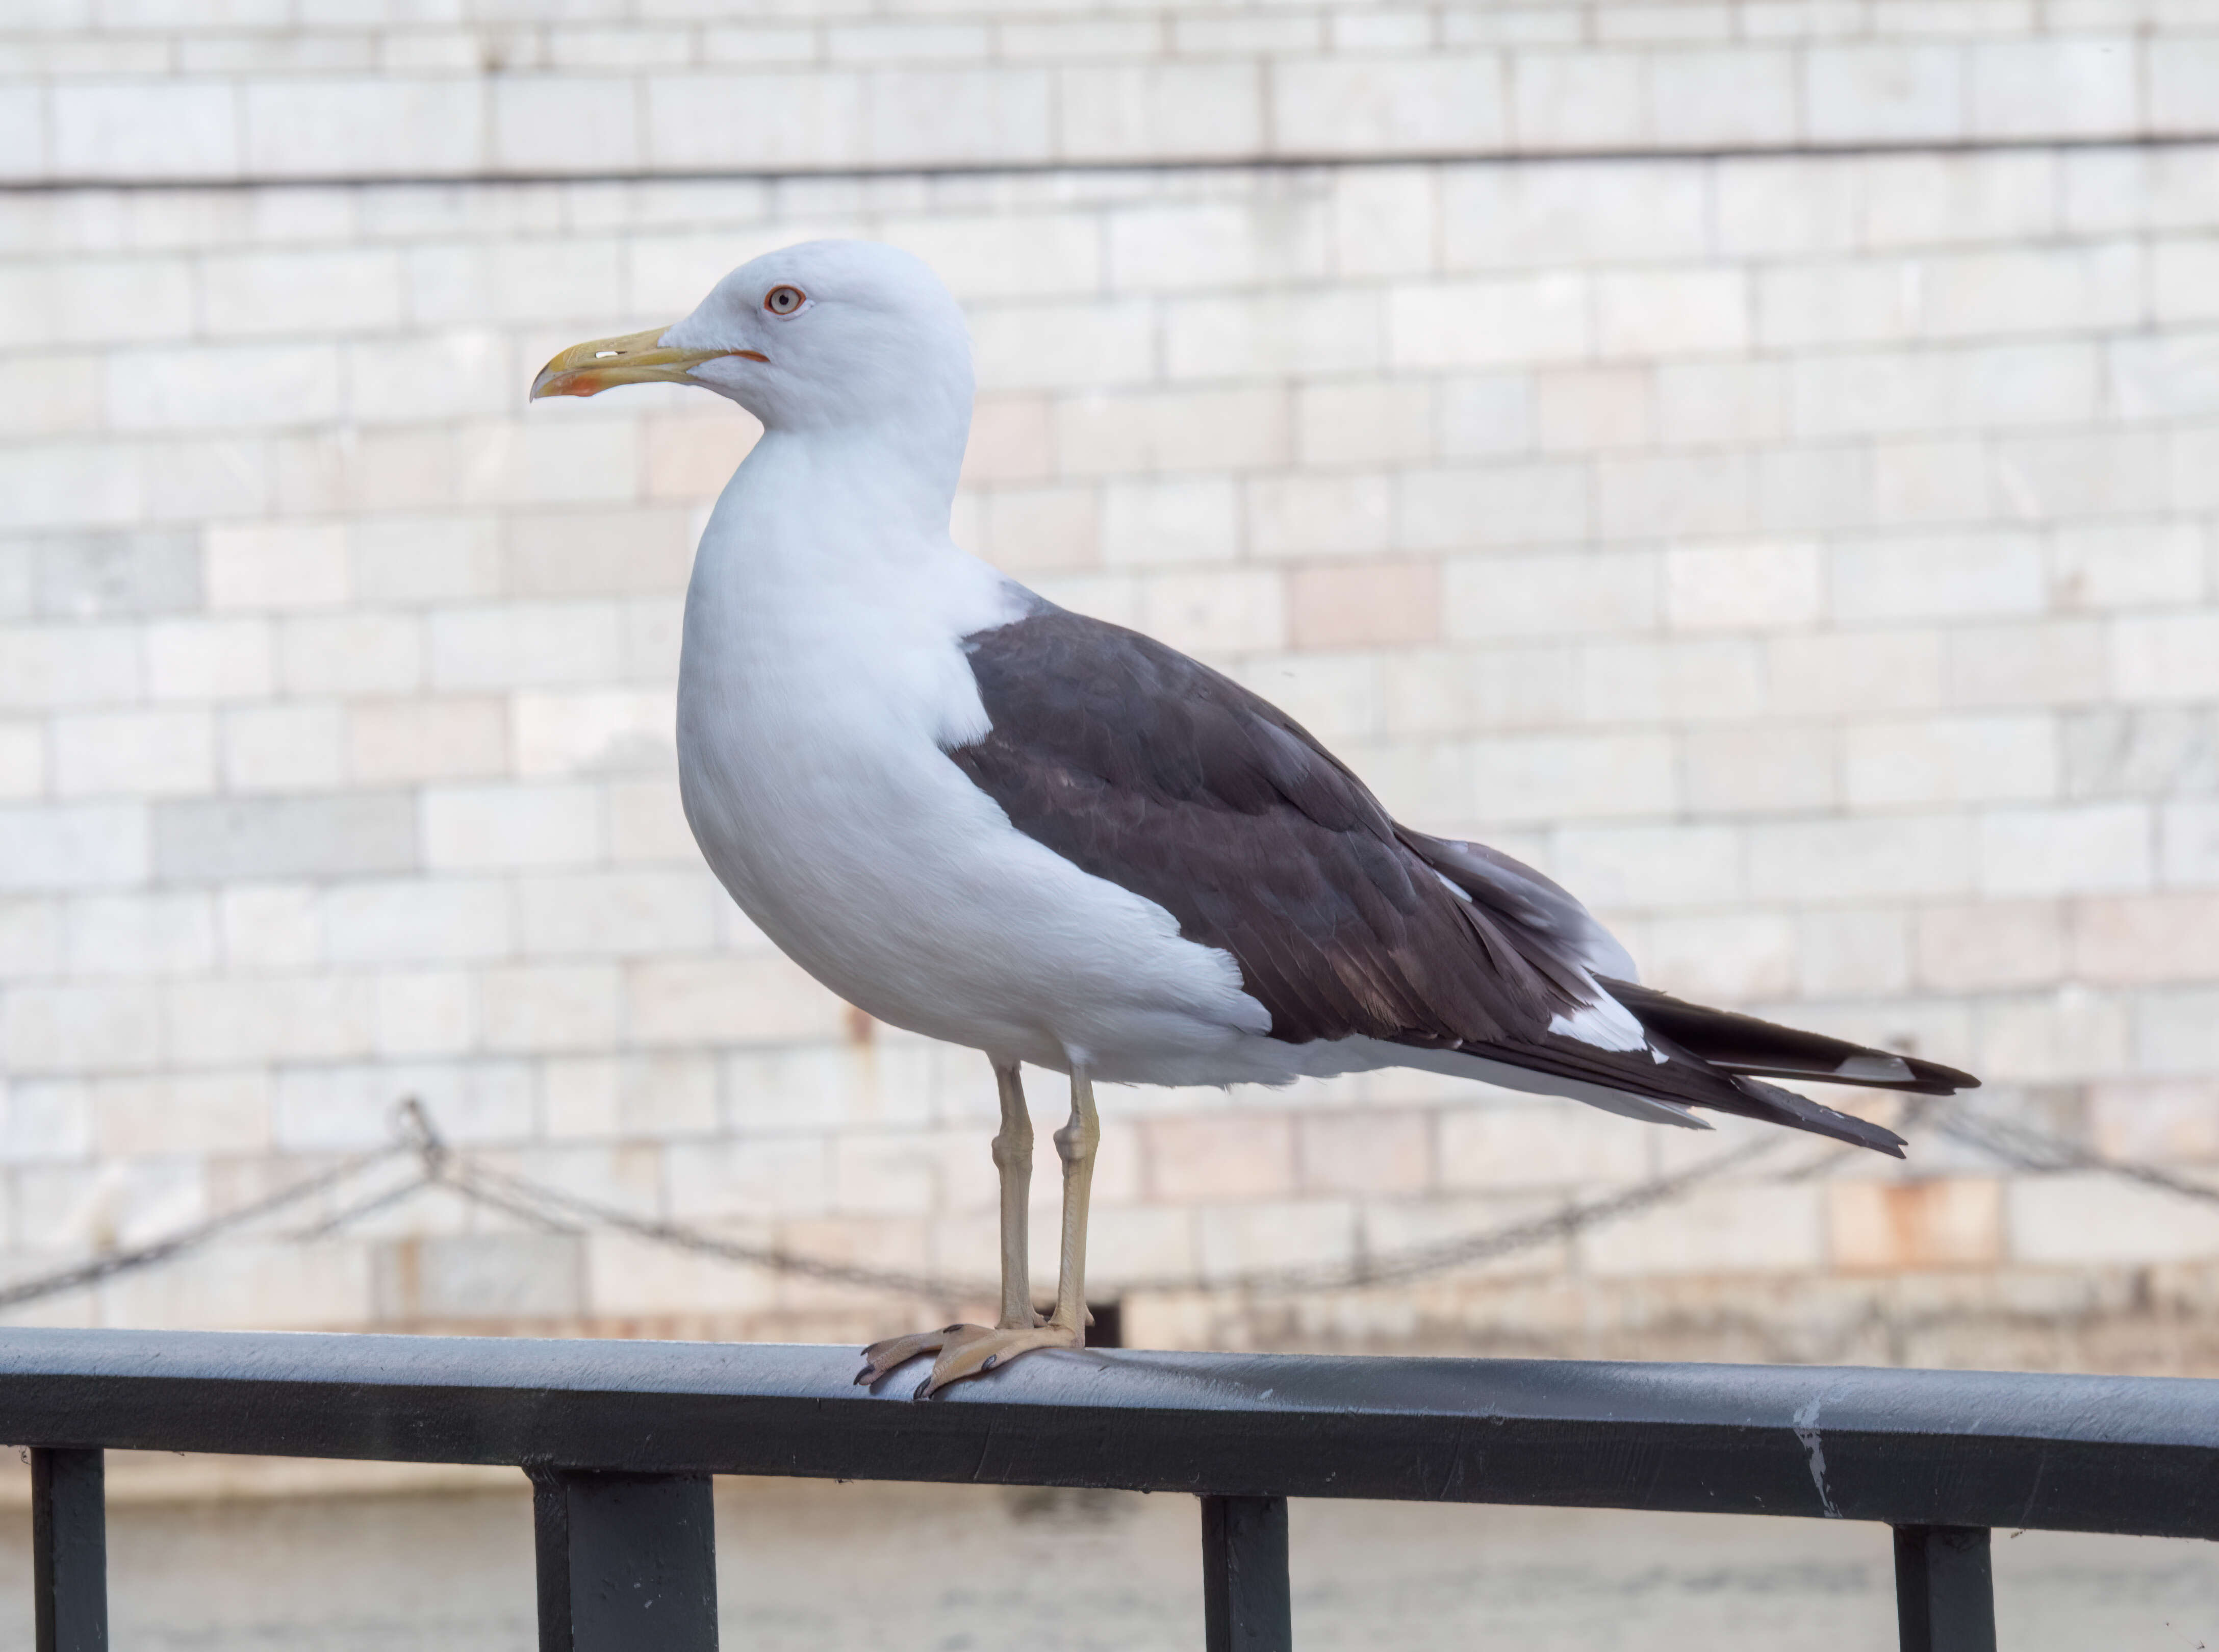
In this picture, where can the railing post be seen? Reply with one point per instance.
(626, 1561)
(1945, 1592)
(1244, 1604)
(69, 1550)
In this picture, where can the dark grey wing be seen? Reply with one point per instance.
(1146, 768)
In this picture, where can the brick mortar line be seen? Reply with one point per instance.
(1175, 164)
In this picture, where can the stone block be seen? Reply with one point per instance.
(354, 653)
(1880, 858)
(1579, 100)
(1073, 346)
(425, 1013)
(81, 846)
(2175, 1031)
(2087, 1220)
(1758, 585)
(111, 1026)
(194, 1113)
(204, 387)
(139, 754)
(408, 741)
(1965, 948)
(1651, 867)
(633, 913)
(1139, 432)
(75, 665)
(1367, 605)
(629, 1276)
(1721, 1229)
(1009, 441)
(2088, 848)
(314, 291)
(1180, 246)
(1724, 958)
(1602, 593)
(2048, 663)
(1904, 1227)
(113, 576)
(478, 1277)
(127, 131)
(1723, 97)
(209, 659)
(1384, 221)
(569, 123)
(454, 374)
(790, 1175)
(1760, 769)
(466, 828)
(1928, 760)
(1378, 422)
(1159, 111)
(274, 565)
(1573, 214)
(2189, 844)
(23, 760)
(992, 114)
(1646, 315)
(1867, 93)
(237, 838)
(593, 731)
(1541, 503)
(1195, 1159)
(2166, 656)
(332, 126)
(2131, 939)
(2059, 1037)
(270, 927)
(418, 921)
(1925, 576)
(1929, 200)
(523, 1010)
(1274, 335)
(141, 934)
(1025, 528)
(2079, 87)
(1541, 780)
(1215, 611)
(1386, 106)
(1235, 1241)
(1309, 515)
(1999, 386)
(1683, 681)
(1493, 322)
(2128, 565)
(756, 1000)
(1579, 409)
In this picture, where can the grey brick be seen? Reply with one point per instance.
(479, 1276)
(2142, 752)
(226, 839)
(104, 575)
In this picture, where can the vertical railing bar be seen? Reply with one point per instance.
(1945, 1592)
(625, 1561)
(1244, 1593)
(69, 1550)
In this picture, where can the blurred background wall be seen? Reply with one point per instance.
(1757, 459)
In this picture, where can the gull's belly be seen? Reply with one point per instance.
(868, 857)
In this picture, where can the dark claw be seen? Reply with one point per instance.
(992, 1360)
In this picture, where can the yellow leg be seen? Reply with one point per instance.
(971, 1349)
(1013, 1158)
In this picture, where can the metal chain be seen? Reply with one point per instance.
(553, 1210)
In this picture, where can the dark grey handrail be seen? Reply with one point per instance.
(1941, 1456)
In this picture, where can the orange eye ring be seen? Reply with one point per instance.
(784, 301)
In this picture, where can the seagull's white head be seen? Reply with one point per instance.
(851, 336)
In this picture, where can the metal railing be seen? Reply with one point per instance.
(620, 1438)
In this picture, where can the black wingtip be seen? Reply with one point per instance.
(1801, 1112)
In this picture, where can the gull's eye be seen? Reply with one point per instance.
(784, 301)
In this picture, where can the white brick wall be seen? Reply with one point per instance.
(1812, 558)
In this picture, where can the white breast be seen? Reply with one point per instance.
(821, 686)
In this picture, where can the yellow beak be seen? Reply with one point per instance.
(634, 358)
